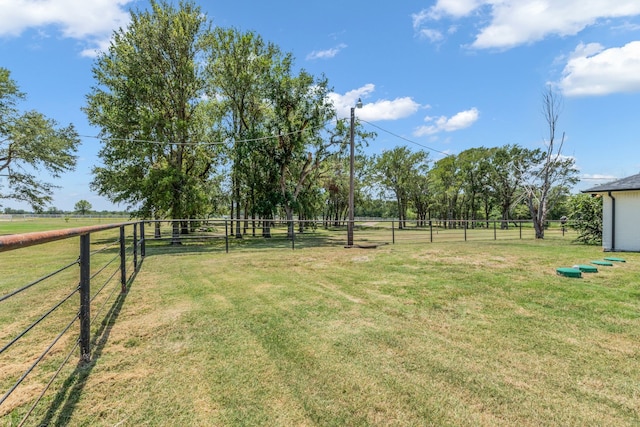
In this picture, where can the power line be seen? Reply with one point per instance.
(147, 141)
(198, 143)
(405, 139)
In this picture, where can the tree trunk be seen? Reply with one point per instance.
(238, 218)
(266, 227)
(398, 201)
(538, 219)
(290, 229)
(175, 233)
(505, 217)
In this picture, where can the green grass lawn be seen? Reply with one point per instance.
(452, 333)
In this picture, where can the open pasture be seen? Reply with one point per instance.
(450, 333)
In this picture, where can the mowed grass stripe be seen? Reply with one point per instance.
(443, 334)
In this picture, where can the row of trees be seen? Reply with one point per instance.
(479, 183)
(191, 115)
(198, 120)
(82, 207)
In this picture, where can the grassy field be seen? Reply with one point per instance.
(450, 333)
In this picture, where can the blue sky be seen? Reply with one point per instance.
(445, 75)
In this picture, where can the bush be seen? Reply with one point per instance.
(586, 218)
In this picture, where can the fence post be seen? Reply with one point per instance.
(431, 231)
(520, 230)
(495, 236)
(226, 235)
(293, 235)
(143, 245)
(135, 246)
(85, 297)
(464, 224)
(175, 232)
(393, 233)
(123, 262)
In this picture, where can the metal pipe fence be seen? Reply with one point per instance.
(38, 316)
(222, 233)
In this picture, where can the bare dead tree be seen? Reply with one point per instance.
(553, 173)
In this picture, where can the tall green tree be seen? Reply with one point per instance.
(474, 167)
(238, 67)
(335, 187)
(31, 143)
(398, 171)
(274, 119)
(154, 118)
(334, 172)
(446, 186)
(300, 109)
(421, 197)
(82, 207)
(507, 170)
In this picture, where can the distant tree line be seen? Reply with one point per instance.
(52, 210)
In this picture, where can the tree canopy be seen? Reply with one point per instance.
(150, 104)
(82, 207)
(30, 144)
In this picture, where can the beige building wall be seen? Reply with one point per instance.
(627, 221)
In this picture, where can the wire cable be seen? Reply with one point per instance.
(405, 139)
(198, 143)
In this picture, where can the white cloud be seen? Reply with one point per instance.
(454, 8)
(431, 34)
(379, 110)
(389, 109)
(326, 54)
(517, 22)
(90, 21)
(594, 70)
(461, 120)
(626, 27)
(419, 18)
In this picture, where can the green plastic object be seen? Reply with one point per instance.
(569, 272)
(614, 259)
(606, 263)
(586, 268)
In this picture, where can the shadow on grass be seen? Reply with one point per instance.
(66, 399)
